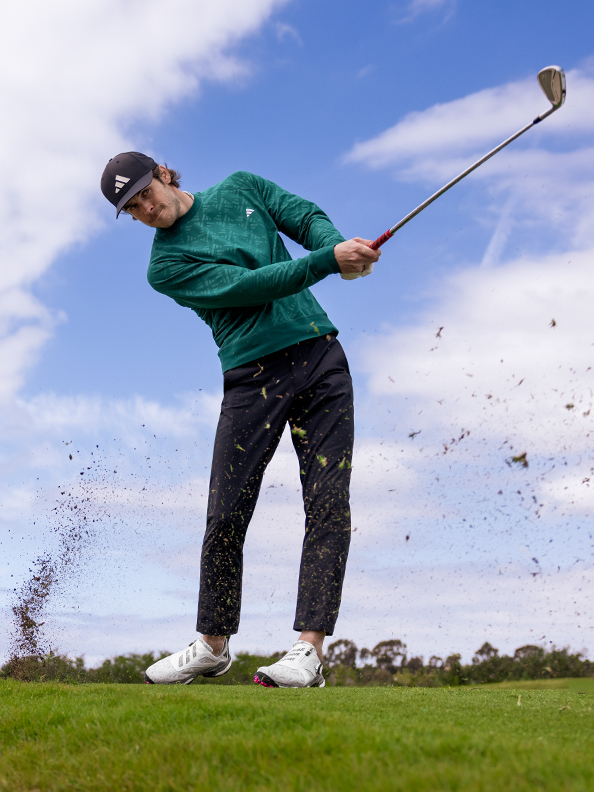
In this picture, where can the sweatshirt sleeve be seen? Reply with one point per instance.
(197, 284)
(302, 221)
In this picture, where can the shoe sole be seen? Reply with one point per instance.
(216, 672)
(265, 681)
(268, 682)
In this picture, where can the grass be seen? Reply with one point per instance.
(578, 685)
(246, 739)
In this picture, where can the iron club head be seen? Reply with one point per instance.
(552, 82)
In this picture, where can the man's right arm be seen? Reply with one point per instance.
(198, 284)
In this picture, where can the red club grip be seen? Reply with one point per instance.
(380, 240)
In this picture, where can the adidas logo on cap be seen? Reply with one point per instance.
(120, 181)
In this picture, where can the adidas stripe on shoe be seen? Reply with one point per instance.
(184, 666)
(300, 667)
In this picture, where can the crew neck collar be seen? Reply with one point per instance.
(184, 218)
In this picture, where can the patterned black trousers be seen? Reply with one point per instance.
(309, 386)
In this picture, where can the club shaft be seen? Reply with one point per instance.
(384, 237)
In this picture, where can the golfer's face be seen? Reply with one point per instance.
(156, 206)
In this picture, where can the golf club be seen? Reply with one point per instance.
(552, 82)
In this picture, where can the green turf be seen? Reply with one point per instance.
(578, 685)
(132, 737)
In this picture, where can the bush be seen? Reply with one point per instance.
(48, 668)
(341, 669)
(125, 669)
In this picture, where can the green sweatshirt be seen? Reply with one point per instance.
(225, 260)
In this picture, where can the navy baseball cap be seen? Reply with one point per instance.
(125, 175)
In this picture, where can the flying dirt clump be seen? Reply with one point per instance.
(74, 522)
(29, 645)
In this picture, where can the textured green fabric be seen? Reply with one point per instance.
(225, 260)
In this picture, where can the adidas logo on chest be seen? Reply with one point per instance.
(248, 212)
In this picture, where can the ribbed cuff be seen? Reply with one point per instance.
(323, 262)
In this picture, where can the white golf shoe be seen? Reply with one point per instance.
(299, 668)
(183, 667)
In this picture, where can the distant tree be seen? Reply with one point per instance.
(489, 666)
(387, 652)
(124, 669)
(486, 652)
(45, 668)
(560, 663)
(415, 664)
(529, 652)
(452, 670)
(341, 653)
(374, 677)
(529, 662)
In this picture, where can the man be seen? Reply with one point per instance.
(219, 253)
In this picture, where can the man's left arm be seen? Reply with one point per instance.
(302, 221)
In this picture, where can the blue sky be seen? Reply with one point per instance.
(366, 109)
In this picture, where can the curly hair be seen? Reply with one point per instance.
(175, 175)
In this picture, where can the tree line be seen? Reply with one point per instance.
(387, 664)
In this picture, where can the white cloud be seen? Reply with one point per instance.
(503, 374)
(366, 71)
(284, 31)
(416, 8)
(473, 123)
(494, 314)
(547, 179)
(63, 415)
(75, 76)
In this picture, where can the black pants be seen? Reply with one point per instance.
(308, 385)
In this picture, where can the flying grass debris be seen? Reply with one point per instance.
(454, 440)
(521, 459)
